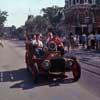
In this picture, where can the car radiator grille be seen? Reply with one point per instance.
(57, 65)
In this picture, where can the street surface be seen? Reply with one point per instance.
(16, 83)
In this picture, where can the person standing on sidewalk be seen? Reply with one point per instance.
(83, 40)
(71, 37)
(91, 40)
(1, 44)
(98, 41)
(63, 39)
(68, 44)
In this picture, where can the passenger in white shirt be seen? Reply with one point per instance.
(37, 41)
(39, 45)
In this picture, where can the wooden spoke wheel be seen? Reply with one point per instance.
(76, 69)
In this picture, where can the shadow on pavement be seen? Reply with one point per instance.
(13, 75)
(22, 79)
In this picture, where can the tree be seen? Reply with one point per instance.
(51, 18)
(19, 33)
(29, 23)
(36, 24)
(40, 23)
(3, 17)
(53, 15)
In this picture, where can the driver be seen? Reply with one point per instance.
(57, 40)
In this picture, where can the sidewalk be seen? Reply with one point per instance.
(86, 56)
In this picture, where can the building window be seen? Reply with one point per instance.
(94, 2)
(90, 1)
(98, 2)
(74, 1)
(77, 1)
(81, 1)
(66, 3)
(86, 1)
(69, 2)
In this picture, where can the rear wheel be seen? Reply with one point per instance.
(76, 69)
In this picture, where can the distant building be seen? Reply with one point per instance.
(82, 16)
(6, 31)
(9, 31)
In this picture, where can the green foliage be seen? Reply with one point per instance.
(51, 18)
(3, 17)
(53, 14)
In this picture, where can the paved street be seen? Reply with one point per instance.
(16, 84)
(90, 63)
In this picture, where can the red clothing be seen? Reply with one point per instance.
(57, 40)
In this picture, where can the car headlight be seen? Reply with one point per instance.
(46, 64)
(69, 64)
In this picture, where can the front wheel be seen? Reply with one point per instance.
(76, 69)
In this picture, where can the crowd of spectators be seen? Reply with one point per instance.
(90, 41)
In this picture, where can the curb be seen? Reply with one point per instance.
(89, 63)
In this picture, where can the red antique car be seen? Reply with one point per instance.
(52, 62)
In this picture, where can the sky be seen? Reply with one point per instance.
(18, 10)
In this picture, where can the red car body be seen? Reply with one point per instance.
(51, 63)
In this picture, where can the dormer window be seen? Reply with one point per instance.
(74, 2)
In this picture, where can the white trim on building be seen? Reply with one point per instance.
(69, 3)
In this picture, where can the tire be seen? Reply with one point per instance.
(76, 69)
